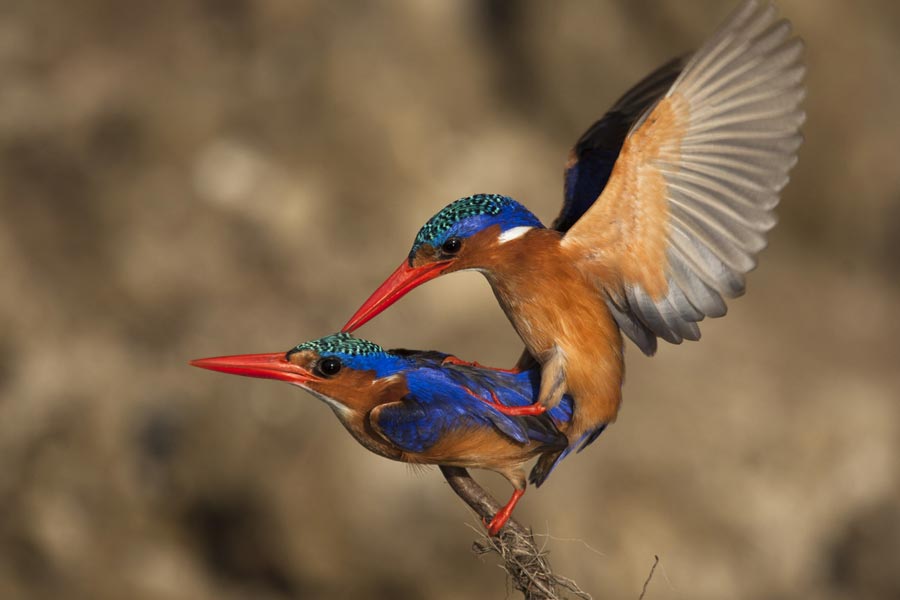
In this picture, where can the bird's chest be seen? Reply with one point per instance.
(551, 310)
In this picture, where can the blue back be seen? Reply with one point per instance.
(596, 151)
(584, 181)
(445, 389)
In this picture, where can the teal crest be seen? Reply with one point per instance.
(340, 343)
(453, 213)
(470, 215)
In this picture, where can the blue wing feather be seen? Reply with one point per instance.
(433, 408)
(515, 389)
(409, 425)
(439, 401)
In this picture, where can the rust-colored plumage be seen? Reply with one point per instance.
(581, 345)
(668, 199)
(630, 224)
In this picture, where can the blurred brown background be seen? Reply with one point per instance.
(184, 179)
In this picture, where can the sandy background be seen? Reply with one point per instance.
(184, 179)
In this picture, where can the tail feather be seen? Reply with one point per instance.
(545, 464)
(548, 461)
(591, 437)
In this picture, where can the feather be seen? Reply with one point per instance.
(689, 202)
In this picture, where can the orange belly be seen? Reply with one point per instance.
(552, 305)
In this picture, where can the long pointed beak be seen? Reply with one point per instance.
(265, 366)
(401, 281)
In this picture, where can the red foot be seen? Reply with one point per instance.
(531, 410)
(452, 360)
(503, 515)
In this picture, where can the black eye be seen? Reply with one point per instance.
(451, 246)
(329, 366)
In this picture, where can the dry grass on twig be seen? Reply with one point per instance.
(527, 564)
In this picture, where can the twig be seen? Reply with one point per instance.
(649, 577)
(526, 564)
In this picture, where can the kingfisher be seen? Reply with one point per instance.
(668, 199)
(422, 407)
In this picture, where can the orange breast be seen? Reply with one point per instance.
(553, 305)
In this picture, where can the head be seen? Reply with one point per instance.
(461, 236)
(338, 369)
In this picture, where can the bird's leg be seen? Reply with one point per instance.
(511, 411)
(503, 514)
(553, 379)
(452, 360)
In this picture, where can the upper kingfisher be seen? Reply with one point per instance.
(667, 201)
(422, 407)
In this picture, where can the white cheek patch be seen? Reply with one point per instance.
(339, 409)
(511, 234)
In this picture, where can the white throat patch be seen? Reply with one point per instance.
(511, 234)
(342, 412)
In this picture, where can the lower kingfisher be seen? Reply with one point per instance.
(667, 201)
(422, 407)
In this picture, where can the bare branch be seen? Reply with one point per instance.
(526, 564)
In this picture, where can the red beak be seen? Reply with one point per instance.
(265, 366)
(401, 281)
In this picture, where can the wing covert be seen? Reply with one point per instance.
(407, 424)
(435, 405)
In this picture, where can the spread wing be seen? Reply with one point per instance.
(690, 198)
(591, 160)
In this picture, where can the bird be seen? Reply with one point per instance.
(668, 199)
(422, 407)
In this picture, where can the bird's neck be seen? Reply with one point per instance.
(519, 269)
(352, 401)
(514, 258)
